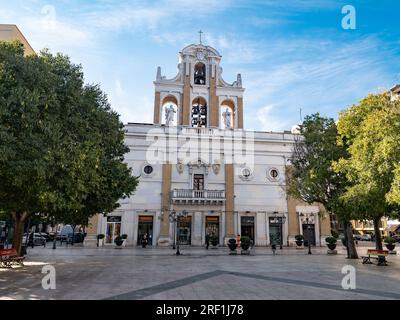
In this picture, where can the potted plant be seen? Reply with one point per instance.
(245, 244)
(390, 243)
(299, 239)
(100, 237)
(331, 243)
(232, 246)
(214, 240)
(119, 241)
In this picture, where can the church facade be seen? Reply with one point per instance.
(202, 173)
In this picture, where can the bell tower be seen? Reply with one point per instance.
(198, 96)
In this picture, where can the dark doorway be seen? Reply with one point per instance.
(309, 234)
(184, 227)
(212, 226)
(275, 232)
(247, 227)
(145, 226)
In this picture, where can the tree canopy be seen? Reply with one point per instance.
(370, 131)
(61, 145)
(312, 177)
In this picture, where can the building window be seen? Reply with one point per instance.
(246, 174)
(198, 182)
(148, 170)
(273, 174)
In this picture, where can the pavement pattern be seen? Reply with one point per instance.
(156, 273)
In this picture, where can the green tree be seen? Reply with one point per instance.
(311, 177)
(61, 145)
(370, 132)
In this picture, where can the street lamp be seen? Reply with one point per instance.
(281, 221)
(55, 233)
(173, 218)
(308, 217)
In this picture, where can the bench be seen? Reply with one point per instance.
(9, 257)
(379, 255)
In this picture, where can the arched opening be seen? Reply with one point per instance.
(199, 113)
(200, 74)
(169, 111)
(227, 115)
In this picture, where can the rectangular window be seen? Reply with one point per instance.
(198, 182)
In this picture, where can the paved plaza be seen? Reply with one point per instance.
(156, 273)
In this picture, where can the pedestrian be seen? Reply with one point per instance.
(273, 247)
(144, 240)
(207, 241)
(238, 240)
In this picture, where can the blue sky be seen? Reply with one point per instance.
(291, 54)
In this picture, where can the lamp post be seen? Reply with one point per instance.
(174, 217)
(281, 221)
(308, 217)
(55, 233)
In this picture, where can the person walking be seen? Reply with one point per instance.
(144, 240)
(207, 241)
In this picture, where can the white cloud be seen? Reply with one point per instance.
(270, 119)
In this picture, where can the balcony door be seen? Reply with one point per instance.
(198, 182)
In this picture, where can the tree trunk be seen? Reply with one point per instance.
(378, 237)
(350, 246)
(19, 220)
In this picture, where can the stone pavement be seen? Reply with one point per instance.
(157, 273)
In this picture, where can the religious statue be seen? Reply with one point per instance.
(227, 118)
(169, 115)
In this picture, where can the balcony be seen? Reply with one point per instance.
(198, 197)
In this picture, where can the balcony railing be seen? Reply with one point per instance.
(188, 196)
(200, 131)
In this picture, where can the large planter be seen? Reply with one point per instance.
(245, 246)
(214, 243)
(390, 246)
(331, 246)
(299, 243)
(119, 242)
(232, 245)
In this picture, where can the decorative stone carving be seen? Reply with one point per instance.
(227, 118)
(216, 167)
(180, 166)
(169, 115)
(199, 164)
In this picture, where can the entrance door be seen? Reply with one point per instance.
(145, 226)
(247, 227)
(309, 233)
(184, 226)
(275, 232)
(113, 229)
(212, 226)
